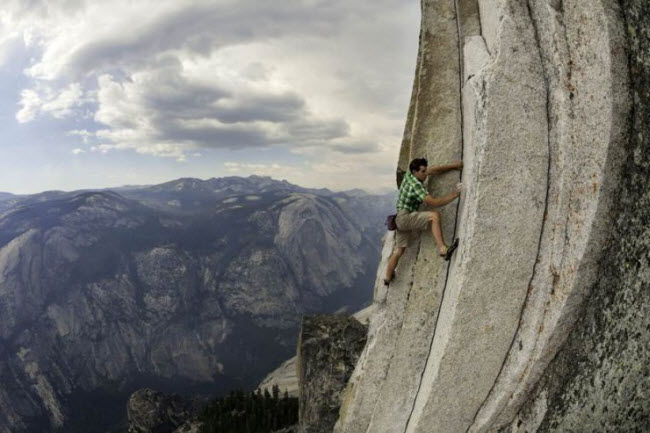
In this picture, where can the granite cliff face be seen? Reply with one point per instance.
(102, 293)
(154, 412)
(285, 377)
(328, 349)
(539, 322)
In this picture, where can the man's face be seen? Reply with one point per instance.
(421, 174)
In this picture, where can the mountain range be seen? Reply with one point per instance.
(189, 286)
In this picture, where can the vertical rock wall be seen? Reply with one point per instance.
(535, 97)
(582, 46)
(382, 390)
(600, 379)
(500, 220)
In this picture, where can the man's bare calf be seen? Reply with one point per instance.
(436, 230)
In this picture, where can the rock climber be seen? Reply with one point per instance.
(409, 220)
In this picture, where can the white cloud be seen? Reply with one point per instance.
(166, 111)
(99, 149)
(31, 103)
(328, 80)
(59, 105)
(78, 151)
(263, 169)
(328, 170)
(83, 133)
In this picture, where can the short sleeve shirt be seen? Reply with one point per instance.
(411, 193)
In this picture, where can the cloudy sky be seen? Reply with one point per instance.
(104, 93)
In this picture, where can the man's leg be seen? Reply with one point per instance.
(436, 229)
(392, 263)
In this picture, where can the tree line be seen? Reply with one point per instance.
(250, 412)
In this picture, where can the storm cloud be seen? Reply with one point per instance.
(168, 78)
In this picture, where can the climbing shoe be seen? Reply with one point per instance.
(450, 250)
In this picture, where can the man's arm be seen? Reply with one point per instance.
(438, 202)
(438, 169)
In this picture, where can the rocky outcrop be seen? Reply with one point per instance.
(328, 349)
(535, 98)
(154, 412)
(285, 377)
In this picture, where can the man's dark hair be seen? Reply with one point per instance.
(417, 163)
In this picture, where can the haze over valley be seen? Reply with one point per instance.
(189, 286)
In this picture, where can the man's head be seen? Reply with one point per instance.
(418, 168)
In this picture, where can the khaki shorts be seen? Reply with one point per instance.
(408, 226)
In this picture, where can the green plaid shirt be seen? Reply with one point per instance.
(411, 193)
